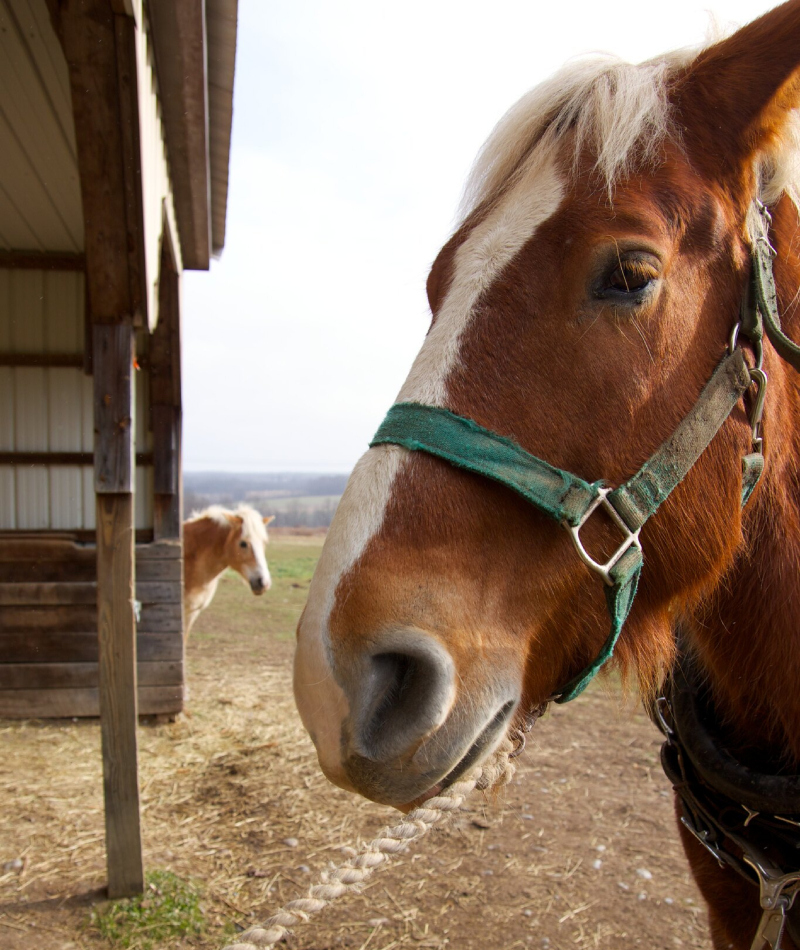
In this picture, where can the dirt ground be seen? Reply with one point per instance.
(580, 851)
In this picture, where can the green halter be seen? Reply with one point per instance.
(569, 499)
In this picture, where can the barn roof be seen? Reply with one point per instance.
(195, 49)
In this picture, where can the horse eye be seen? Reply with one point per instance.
(628, 279)
(243, 544)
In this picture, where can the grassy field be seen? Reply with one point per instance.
(274, 615)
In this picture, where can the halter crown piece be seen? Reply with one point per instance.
(570, 500)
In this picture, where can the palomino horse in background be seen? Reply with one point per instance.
(214, 540)
(593, 317)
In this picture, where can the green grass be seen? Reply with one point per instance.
(169, 908)
(298, 568)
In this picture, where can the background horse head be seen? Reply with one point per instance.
(216, 539)
(579, 310)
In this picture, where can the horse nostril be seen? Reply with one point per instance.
(406, 695)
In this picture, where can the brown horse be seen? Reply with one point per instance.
(579, 311)
(216, 539)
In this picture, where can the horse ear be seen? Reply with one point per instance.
(234, 520)
(269, 520)
(734, 98)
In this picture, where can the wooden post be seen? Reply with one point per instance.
(114, 468)
(98, 38)
(165, 396)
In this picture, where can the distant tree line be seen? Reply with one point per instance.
(296, 499)
(236, 485)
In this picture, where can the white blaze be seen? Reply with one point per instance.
(479, 261)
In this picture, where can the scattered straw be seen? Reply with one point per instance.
(394, 839)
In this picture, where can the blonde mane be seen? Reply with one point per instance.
(619, 111)
(252, 522)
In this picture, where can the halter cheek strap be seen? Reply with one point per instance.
(567, 498)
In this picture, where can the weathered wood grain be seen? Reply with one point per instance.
(116, 630)
(49, 646)
(159, 550)
(79, 675)
(44, 548)
(40, 594)
(65, 618)
(84, 702)
(113, 409)
(160, 570)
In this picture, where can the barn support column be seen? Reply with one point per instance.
(99, 41)
(165, 396)
(116, 621)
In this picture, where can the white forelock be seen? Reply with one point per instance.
(252, 522)
(619, 111)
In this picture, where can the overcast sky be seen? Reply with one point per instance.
(355, 124)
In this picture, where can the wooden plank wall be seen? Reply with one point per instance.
(48, 628)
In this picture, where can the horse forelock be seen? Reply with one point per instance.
(252, 521)
(619, 112)
(216, 513)
(253, 527)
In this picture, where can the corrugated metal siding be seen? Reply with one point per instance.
(52, 409)
(44, 409)
(40, 200)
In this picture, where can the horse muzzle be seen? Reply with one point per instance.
(410, 725)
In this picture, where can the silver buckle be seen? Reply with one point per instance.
(777, 893)
(759, 377)
(631, 537)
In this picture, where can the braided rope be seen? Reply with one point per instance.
(350, 875)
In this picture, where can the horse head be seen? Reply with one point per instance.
(578, 312)
(244, 547)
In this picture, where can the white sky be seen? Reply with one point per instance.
(355, 125)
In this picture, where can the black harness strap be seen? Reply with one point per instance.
(747, 820)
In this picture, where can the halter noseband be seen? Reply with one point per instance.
(570, 500)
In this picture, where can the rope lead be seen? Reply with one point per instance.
(394, 839)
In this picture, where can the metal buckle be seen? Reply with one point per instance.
(759, 377)
(774, 901)
(631, 537)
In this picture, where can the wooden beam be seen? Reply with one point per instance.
(42, 359)
(116, 624)
(80, 675)
(55, 593)
(164, 367)
(143, 459)
(33, 593)
(60, 703)
(117, 693)
(125, 36)
(113, 408)
(35, 260)
(49, 646)
(179, 46)
(82, 535)
(99, 48)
